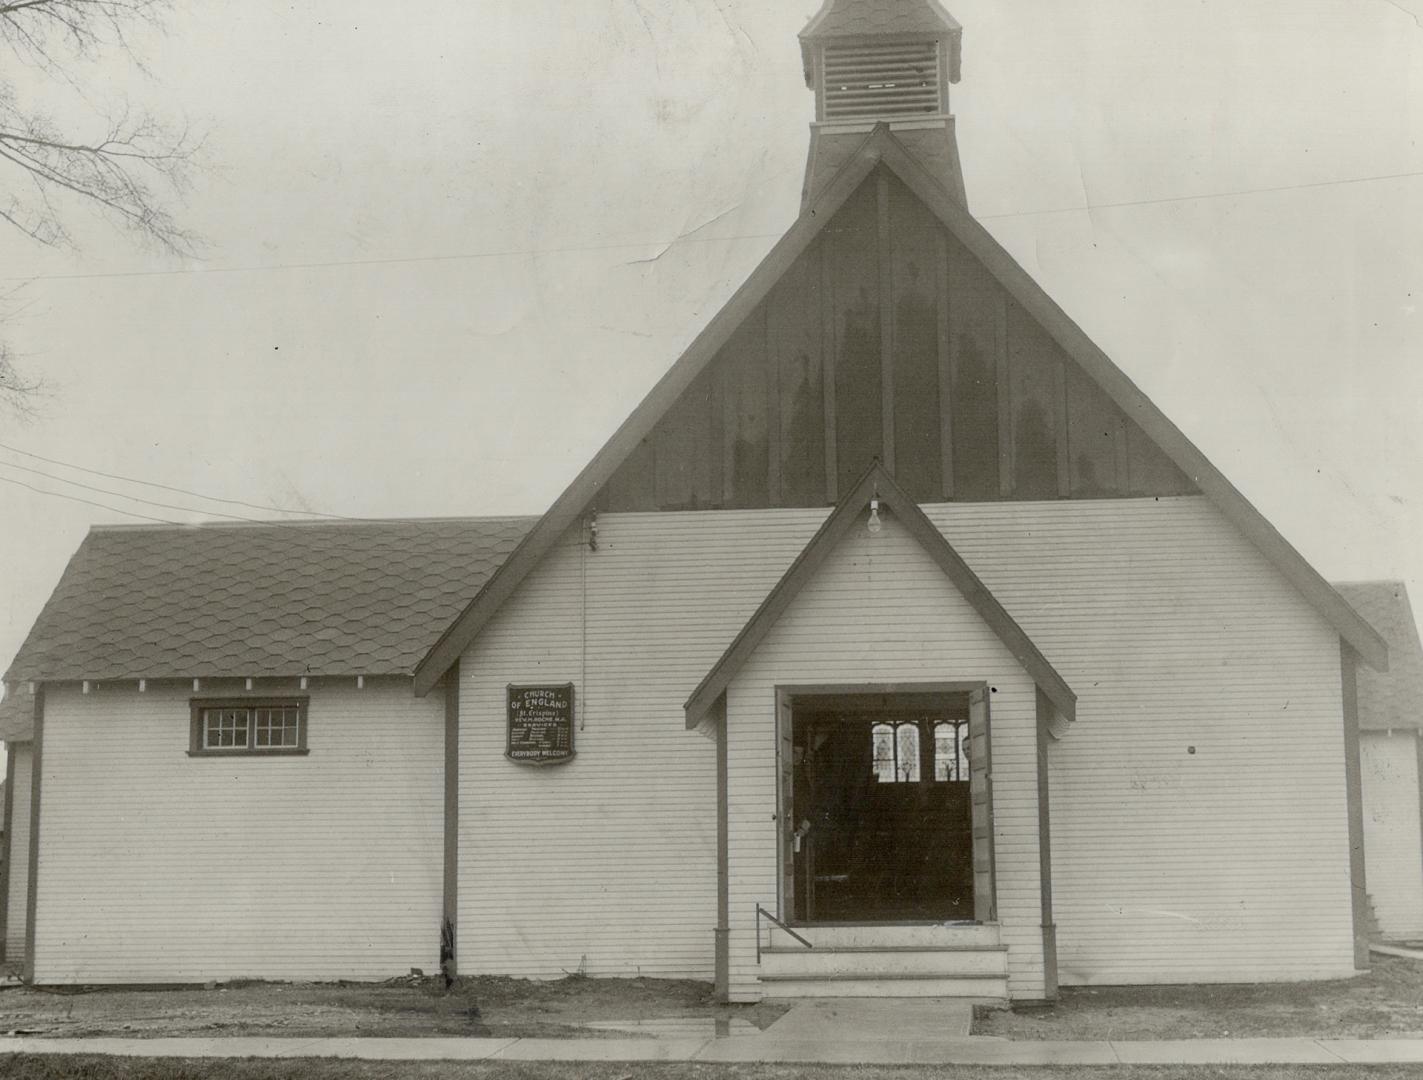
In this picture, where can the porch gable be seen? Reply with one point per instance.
(877, 492)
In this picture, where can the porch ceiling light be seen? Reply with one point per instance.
(875, 523)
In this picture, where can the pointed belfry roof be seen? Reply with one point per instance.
(881, 149)
(868, 19)
(849, 515)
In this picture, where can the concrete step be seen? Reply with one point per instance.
(910, 986)
(874, 962)
(888, 935)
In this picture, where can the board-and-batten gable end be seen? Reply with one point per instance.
(882, 148)
(878, 489)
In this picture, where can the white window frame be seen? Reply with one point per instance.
(201, 708)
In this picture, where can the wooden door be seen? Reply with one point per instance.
(785, 817)
(980, 767)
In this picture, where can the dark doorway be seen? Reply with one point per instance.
(881, 810)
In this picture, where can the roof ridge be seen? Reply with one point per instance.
(882, 148)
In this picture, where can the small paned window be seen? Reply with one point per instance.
(278, 727)
(248, 727)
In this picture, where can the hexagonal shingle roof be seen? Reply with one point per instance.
(348, 598)
(17, 716)
(1392, 698)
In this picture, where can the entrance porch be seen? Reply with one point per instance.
(846, 712)
(870, 875)
(885, 802)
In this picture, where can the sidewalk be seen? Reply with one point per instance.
(837, 1031)
(761, 1048)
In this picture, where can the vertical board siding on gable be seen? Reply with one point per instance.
(917, 357)
(745, 413)
(852, 243)
(684, 480)
(17, 841)
(1393, 831)
(914, 248)
(1035, 370)
(1231, 863)
(1199, 818)
(882, 611)
(977, 323)
(795, 333)
(1149, 470)
(1096, 440)
(160, 867)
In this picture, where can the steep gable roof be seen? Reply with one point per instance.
(349, 598)
(879, 18)
(847, 516)
(882, 149)
(1392, 699)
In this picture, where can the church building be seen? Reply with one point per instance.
(896, 644)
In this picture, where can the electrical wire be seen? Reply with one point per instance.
(163, 487)
(136, 498)
(668, 244)
(296, 524)
(87, 502)
(1202, 198)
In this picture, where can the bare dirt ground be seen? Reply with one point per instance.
(23, 1067)
(29, 1067)
(480, 1007)
(1386, 1003)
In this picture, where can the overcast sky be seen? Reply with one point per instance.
(450, 245)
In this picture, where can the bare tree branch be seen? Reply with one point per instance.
(129, 167)
(127, 170)
(119, 174)
(50, 32)
(20, 395)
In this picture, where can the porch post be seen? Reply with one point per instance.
(449, 955)
(723, 858)
(1046, 714)
(1353, 786)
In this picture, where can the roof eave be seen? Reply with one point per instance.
(1352, 627)
(580, 493)
(882, 147)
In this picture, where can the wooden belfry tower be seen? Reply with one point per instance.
(882, 61)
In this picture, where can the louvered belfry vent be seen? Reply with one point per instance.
(891, 79)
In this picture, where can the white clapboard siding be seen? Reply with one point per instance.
(160, 867)
(608, 864)
(17, 839)
(1393, 831)
(1230, 863)
(880, 610)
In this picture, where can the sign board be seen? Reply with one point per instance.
(540, 724)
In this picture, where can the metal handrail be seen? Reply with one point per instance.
(760, 911)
